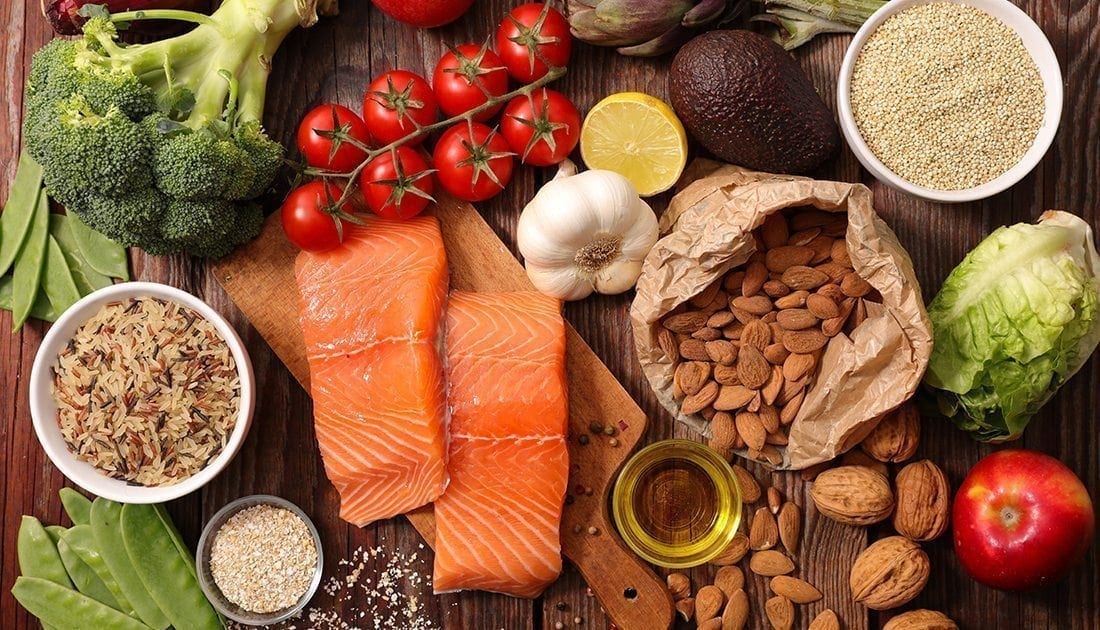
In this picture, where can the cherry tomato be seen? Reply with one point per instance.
(333, 137)
(474, 161)
(542, 128)
(396, 104)
(310, 218)
(529, 37)
(466, 76)
(397, 184)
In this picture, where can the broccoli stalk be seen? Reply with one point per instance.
(160, 145)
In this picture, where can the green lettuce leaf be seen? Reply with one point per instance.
(1013, 322)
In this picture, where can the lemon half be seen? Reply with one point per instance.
(637, 136)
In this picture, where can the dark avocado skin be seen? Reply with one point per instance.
(747, 101)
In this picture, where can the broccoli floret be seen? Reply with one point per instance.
(161, 145)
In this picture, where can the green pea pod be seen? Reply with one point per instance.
(15, 221)
(167, 574)
(85, 579)
(108, 537)
(65, 609)
(104, 255)
(55, 532)
(177, 538)
(38, 555)
(29, 264)
(77, 506)
(42, 309)
(81, 540)
(86, 278)
(57, 280)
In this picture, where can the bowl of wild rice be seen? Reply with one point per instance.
(141, 393)
(949, 100)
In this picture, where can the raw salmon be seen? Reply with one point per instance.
(497, 523)
(371, 315)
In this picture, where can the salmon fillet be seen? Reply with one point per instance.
(371, 314)
(497, 524)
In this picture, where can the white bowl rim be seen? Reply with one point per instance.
(1041, 53)
(43, 410)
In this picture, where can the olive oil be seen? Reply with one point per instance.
(677, 503)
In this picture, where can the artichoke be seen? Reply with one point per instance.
(645, 28)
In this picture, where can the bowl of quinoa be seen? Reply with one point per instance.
(141, 393)
(259, 560)
(949, 100)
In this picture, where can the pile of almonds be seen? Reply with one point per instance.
(748, 347)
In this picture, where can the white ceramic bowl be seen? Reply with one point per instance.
(1045, 60)
(44, 409)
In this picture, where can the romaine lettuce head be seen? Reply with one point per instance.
(1016, 319)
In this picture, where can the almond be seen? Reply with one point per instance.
(690, 376)
(732, 282)
(733, 397)
(694, 350)
(776, 438)
(769, 418)
(668, 344)
(707, 334)
(686, 608)
(921, 619)
(923, 497)
(686, 323)
(791, 389)
(733, 331)
(811, 218)
(770, 563)
(840, 254)
(721, 300)
(755, 276)
(774, 231)
(734, 551)
(750, 429)
(796, 319)
(705, 297)
(752, 368)
(801, 341)
(768, 454)
(798, 365)
(832, 292)
(708, 603)
(750, 489)
(789, 522)
(804, 237)
(775, 499)
(810, 473)
(721, 351)
(757, 305)
(790, 410)
(714, 623)
(859, 314)
(854, 495)
(700, 400)
(833, 270)
(757, 334)
(720, 320)
(742, 315)
(775, 353)
(820, 306)
(783, 258)
(797, 590)
(823, 248)
(836, 227)
(825, 620)
(889, 573)
(723, 433)
(804, 278)
(726, 375)
(679, 585)
(780, 612)
(776, 289)
(736, 616)
(796, 299)
(730, 580)
(764, 532)
(853, 285)
(773, 387)
(896, 436)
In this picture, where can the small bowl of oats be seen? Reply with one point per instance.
(950, 100)
(141, 393)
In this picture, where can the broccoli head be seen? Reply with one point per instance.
(161, 145)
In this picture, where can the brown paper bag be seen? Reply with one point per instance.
(706, 231)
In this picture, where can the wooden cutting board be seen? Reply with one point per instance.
(260, 279)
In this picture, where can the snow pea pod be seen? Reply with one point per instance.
(38, 555)
(65, 609)
(55, 532)
(104, 255)
(77, 506)
(108, 537)
(57, 280)
(15, 222)
(81, 540)
(86, 580)
(86, 278)
(29, 263)
(168, 574)
(41, 309)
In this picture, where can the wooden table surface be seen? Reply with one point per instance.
(334, 61)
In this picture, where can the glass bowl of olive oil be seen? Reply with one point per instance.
(677, 504)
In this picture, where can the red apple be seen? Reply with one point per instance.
(424, 13)
(1021, 520)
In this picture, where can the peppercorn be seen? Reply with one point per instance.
(595, 427)
(583, 439)
(609, 430)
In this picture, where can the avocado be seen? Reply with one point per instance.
(747, 101)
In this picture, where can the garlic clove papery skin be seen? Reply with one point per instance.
(563, 283)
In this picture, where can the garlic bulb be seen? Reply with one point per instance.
(585, 232)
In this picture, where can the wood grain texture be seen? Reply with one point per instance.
(334, 61)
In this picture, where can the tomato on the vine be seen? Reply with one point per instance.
(529, 37)
(312, 218)
(466, 77)
(542, 128)
(397, 184)
(396, 104)
(474, 161)
(333, 137)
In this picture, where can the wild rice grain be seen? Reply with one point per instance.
(947, 96)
